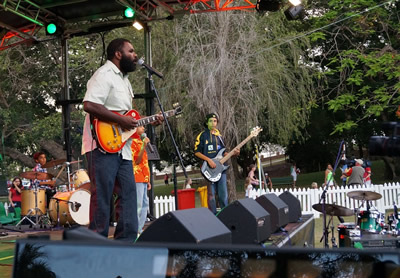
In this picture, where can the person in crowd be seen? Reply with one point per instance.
(344, 171)
(109, 95)
(247, 187)
(142, 174)
(14, 195)
(367, 176)
(314, 185)
(294, 171)
(356, 173)
(166, 179)
(208, 143)
(187, 184)
(329, 176)
(269, 181)
(254, 181)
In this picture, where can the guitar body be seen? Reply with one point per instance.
(214, 175)
(109, 135)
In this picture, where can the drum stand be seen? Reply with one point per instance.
(37, 212)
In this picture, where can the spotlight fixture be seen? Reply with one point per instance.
(137, 25)
(268, 5)
(53, 29)
(295, 2)
(129, 13)
(294, 12)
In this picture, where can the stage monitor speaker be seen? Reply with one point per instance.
(293, 204)
(248, 221)
(277, 208)
(197, 225)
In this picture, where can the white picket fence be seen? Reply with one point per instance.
(308, 197)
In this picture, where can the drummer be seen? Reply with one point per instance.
(48, 185)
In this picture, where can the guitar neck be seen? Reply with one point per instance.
(151, 119)
(241, 144)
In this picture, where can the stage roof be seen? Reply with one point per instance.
(21, 20)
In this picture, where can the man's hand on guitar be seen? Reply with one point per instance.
(128, 122)
(211, 163)
(160, 119)
(236, 152)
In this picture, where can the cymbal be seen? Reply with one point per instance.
(47, 183)
(76, 161)
(334, 210)
(53, 163)
(364, 195)
(36, 175)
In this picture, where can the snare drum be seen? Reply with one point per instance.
(28, 201)
(80, 179)
(73, 207)
(371, 221)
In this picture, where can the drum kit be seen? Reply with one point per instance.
(68, 206)
(367, 221)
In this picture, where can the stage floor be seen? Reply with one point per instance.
(297, 234)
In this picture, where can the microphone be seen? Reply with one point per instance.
(150, 69)
(143, 136)
(76, 206)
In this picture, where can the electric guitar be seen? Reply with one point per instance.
(214, 174)
(112, 138)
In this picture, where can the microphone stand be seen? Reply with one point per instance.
(177, 152)
(323, 198)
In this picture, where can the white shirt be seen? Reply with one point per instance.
(108, 87)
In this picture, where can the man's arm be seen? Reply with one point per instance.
(103, 114)
(205, 158)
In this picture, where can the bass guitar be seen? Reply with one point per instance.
(112, 138)
(214, 174)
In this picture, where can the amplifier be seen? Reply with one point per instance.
(373, 241)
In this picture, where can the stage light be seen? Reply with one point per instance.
(137, 25)
(295, 2)
(294, 12)
(129, 13)
(268, 5)
(53, 29)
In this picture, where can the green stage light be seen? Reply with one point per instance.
(51, 28)
(129, 13)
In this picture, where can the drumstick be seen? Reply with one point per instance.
(59, 173)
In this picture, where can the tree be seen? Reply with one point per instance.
(359, 63)
(226, 63)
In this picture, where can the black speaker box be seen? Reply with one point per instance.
(293, 204)
(277, 208)
(197, 225)
(248, 221)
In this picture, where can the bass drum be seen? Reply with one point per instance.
(73, 207)
(28, 201)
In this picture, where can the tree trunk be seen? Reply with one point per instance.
(231, 184)
(17, 155)
(55, 149)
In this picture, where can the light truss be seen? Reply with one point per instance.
(35, 16)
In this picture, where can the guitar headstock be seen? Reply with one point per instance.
(177, 109)
(255, 131)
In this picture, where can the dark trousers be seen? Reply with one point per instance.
(107, 171)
